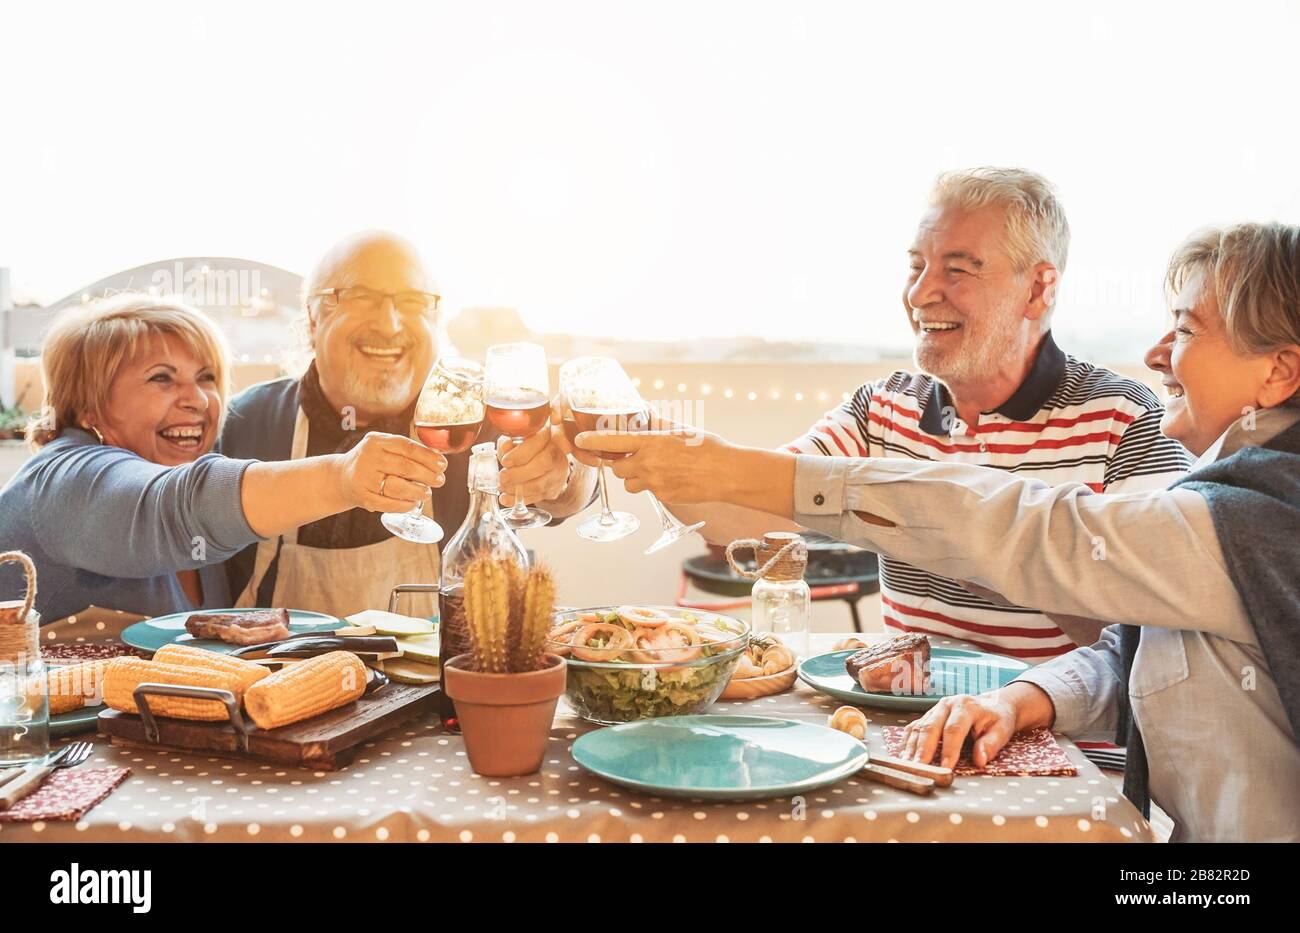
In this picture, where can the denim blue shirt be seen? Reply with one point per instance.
(108, 528)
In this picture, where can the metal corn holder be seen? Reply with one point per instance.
(375, 680)
(225, 697)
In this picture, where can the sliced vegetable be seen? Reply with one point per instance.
(642, 617)
(600, 641)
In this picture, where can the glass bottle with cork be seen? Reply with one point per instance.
(782, 602)
(484, 531)
(24, 697)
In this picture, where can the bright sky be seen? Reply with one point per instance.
(649, 169)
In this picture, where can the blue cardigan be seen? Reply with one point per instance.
(109, 528)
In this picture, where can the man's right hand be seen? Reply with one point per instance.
(389, 473)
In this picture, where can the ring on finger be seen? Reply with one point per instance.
(381, 485)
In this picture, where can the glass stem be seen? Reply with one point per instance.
(666, 520)
(520, 510)
(606, 513)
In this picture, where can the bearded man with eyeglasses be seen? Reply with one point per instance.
(372, 318)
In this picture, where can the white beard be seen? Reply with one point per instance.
(381, 394)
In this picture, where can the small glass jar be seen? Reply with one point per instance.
(24, 691)
(24, 712)
(782, 602)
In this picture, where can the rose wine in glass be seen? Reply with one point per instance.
(448, 438)
(520, 416)
(600, 397)
(448, 417)
(517, 399)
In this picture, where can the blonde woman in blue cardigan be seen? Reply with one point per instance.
(123, 505)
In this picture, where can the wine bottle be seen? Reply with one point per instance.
(482, 532)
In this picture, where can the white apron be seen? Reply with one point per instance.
(343, 581)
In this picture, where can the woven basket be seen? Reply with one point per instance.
(19, 622)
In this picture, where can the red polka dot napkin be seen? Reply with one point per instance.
(1032, 753)
(67, 794)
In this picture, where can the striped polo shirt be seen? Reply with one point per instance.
(1069, 422)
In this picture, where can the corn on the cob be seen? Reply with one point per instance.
(71, 685)
(186, 656)
(125, 674)
(306, 688)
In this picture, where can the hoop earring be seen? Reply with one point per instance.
(95, 431)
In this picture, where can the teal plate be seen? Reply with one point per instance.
(152, 634)
(952, 671)
(720, 757)
(75, 722)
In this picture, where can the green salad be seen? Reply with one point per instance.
(643, 662)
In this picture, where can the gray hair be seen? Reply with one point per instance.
(1036, 231)
(1254, 271)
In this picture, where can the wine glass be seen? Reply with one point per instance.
(517, 398)
(673, 530)
(448, 417)
(600, 397)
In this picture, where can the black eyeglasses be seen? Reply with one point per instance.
(361, 298)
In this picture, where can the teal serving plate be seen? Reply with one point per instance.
(952, 671)
(720, 757)
(75, 721)
(152, 634)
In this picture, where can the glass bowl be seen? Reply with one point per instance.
(654, 669)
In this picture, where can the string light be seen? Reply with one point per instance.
(728, 392)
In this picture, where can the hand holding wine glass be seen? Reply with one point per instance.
(448, 417)
(517, 403)
(619, 422)
(598, 396)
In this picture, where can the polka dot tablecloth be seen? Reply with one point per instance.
(416, 785)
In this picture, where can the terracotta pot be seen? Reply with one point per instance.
(505, 718)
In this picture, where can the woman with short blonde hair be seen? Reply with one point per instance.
(124, 505)
(85, 349)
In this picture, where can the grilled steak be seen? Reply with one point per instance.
(899, 666)
(243, 628)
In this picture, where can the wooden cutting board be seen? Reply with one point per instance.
(325, 743)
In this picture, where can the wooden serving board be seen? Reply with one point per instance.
(325, 743)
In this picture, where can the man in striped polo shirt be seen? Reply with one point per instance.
(995, 390)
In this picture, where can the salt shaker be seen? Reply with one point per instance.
(782, 602)
(24, 699)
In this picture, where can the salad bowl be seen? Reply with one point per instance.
(627, 663)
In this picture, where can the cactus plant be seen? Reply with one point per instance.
(508, 612)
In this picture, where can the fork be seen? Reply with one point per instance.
(34, 775)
